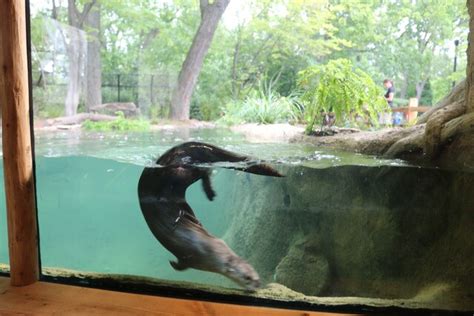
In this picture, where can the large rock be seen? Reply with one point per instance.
(385, 232)
(129, 109)
(302, 270)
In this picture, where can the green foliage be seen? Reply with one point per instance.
(264, 106)
(427, 95)
(48, 101)
(400, 102)
(120, 124)
(195, 111)
(338, 87)
(260, 40)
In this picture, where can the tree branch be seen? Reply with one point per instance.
(54, 11)
(72, 13)
(85, 12)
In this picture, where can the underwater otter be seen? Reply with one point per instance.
(161, 191)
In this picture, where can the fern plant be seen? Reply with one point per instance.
(340, 88)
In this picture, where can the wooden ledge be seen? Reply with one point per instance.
(48, 298)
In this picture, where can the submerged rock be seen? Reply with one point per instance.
(381, 232)
(303, 271)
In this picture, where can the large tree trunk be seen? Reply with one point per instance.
(93, 65)
(75, 56)
(76, 52)
(210, 16)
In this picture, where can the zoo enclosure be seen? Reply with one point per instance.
(145, 90)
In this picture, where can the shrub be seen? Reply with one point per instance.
(264, 106)
(120, 124)
(338, 87)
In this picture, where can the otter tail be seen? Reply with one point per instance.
(260, 169)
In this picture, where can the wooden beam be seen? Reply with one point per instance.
(56, 299)
(17, 153)
(420, 109)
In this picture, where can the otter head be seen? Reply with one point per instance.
(242, 273)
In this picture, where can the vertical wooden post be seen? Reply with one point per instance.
(412, 115)
(17, 154)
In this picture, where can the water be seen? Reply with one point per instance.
(338, 224)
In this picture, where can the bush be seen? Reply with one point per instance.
(264, 106)
(338, 87)
(120, 124)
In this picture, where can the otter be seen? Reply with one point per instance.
(161, 191)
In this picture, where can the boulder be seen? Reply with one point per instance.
(129, 109)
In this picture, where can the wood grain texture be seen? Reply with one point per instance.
(17, 156)
(47, 298)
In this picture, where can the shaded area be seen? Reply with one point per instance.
(385, 232)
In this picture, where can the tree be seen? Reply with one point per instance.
(210, 16)
(279, 39)
(415, 36)
(79, 20)
(340, 88)
(93, 64)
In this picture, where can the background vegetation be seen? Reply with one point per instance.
(260, 47)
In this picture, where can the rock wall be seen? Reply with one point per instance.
(385, 232)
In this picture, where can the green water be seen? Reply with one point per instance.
(369, 227)
(90, 218)
(86, 186)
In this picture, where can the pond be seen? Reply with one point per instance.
(338, 224)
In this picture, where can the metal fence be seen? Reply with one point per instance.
(145, 90)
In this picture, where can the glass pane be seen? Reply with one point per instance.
(339, 227)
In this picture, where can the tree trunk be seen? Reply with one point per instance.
(93, 65)
(181, 99)
(74, 50)
(419, 87)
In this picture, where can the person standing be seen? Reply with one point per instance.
(388, 84)
(390, 118)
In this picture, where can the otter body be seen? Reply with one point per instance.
(162, 191)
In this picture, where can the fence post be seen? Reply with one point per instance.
(411, 115)
(118, 87)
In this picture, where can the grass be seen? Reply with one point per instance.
(120, 124)
(264, 106)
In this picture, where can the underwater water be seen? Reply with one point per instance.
(337, 224)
